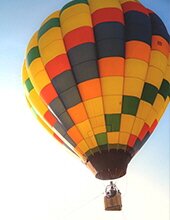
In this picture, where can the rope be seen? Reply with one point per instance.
(81, 206)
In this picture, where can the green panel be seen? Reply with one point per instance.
(32, 55)
(149, 93)
(130, 105)
(101, 138)
(164, 89)
(118, 147)
(29, 85)
(113, 122)
(54, 22)
(73, 3)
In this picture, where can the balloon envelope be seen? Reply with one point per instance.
(97, 76)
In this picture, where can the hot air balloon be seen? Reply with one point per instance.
(97, 76)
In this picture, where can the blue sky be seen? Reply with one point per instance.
(31, 185)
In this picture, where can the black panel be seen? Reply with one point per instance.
(82, 53)
(137, 18)
(138, 27)
(110, 164)
(108, 30)
(70, 97)
(60, 129)
(85, 71)
(158, 27)
(110, 48)
(63, 81)
(67, 137)
(57, 107)
(138, 32)
(66, 120)
(149, 93)
(164, 89)
(139, 144)
(63, 132)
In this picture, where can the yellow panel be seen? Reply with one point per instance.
(133, 87)
(112, 85)
(32, 43)
(99, 130)
(154, 76)
(137, 127)
(98, 4)
(136, 68)
(112, 104)
(24, 73)
(127, 122)
(113, 137)
(98, 124)
(51, 35)
(35, 67)
(94, 107)
(143, 110)
(123, 138)
(85, 129)
(158, 103)
(83, 147)
(167, 74)
(77, 21)
(91, 142)
(163, 109)
(169, 59)
(52, 50)
(41, 80)
(159, 60)
(151, 117)
(73, 11)
(123, 1)
(37, 103)
(53, 15)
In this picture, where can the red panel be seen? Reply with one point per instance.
(107, 15)
(48, 93)
(58, 139)
(150, 11)
(57, 65)
(132, 140)
(50, 118)
(152, 128)
(143, 132)
(78, 36)
(134, 6)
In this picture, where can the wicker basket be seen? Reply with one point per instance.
(113, 203)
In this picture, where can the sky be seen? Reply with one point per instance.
(39, 180)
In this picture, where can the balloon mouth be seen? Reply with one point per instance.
(108, 165)
(111, 174)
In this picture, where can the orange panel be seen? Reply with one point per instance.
(111, 66)
(159, 43)
(90, 89)
(78, 113)
(75, 134)
(138, 50)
